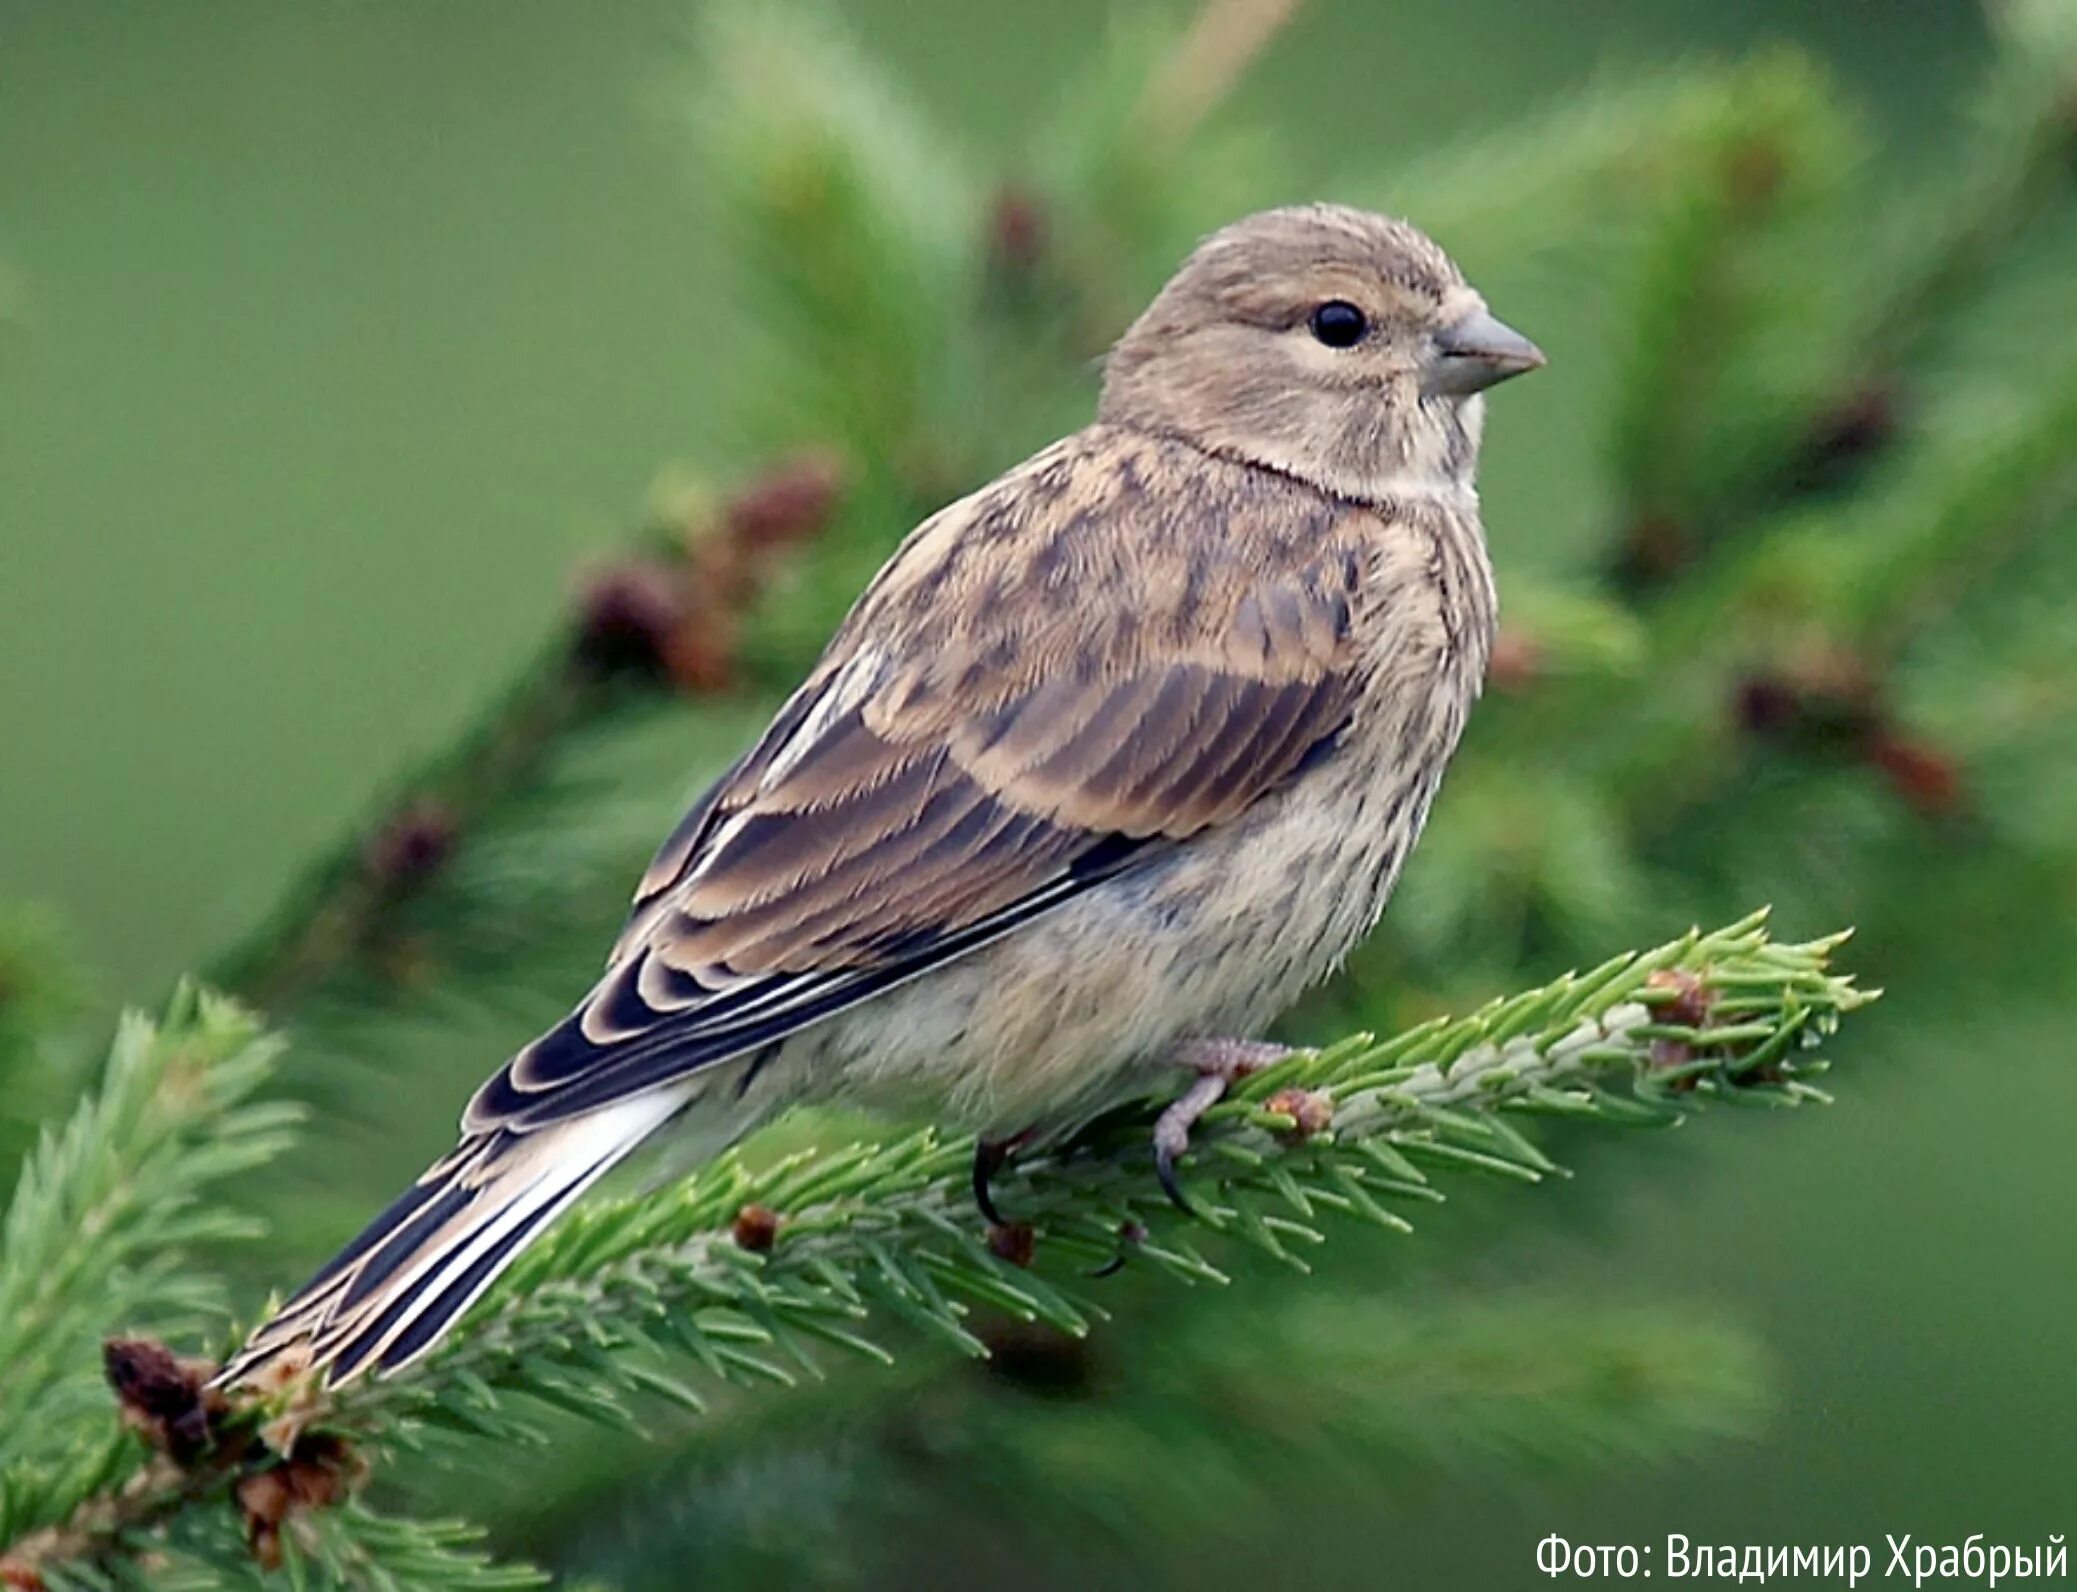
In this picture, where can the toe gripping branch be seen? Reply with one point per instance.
(1219, 1064)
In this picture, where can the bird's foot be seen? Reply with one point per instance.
(990, 1157)
(1219, 1064)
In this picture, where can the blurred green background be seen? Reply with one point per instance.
(335, 337)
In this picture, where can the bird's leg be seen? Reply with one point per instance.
(1219, 1064)
(990, 1157)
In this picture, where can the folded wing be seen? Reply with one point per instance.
(1026, 703)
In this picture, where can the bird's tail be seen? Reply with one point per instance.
(393, 1292)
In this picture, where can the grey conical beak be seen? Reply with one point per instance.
(1476, 352)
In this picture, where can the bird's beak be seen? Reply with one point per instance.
(1476, 352)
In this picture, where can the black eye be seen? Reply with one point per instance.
(1339, 324)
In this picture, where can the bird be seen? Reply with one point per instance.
(1111, 760)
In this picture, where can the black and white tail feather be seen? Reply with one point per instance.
(392, 1293)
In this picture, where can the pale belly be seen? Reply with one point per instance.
(1214, 939)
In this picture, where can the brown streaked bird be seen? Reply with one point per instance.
(1113, 759)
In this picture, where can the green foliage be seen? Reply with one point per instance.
(351, 1546)
(109, 1212)
(37, 990)
(1726, 331)
(1211, 1438)
(843, 210)
(107, 1229)
(588, 1323)
(39, 996)
(1459, 1387)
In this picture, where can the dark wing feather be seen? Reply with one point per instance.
(1035, 695)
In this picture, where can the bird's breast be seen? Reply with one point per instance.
(1219, 933)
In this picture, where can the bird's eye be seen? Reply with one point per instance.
(1339, 324)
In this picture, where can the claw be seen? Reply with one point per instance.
(1172, 1133)
(988, 1160)
(1129, 1233)
(990, 1157)
(1165, 1173)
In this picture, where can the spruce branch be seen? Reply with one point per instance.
(1850, 347)
(749, 1271)
(1825, 604)
(396, 891)
(348, 1546)
(108, 1214)
(1359, 1128)
(1726, 334)
(110, 1209)
(107, 1222)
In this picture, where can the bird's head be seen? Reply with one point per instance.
(1339, 346)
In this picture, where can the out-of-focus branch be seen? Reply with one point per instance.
(664, 619)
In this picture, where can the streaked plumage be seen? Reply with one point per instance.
(1121, 751)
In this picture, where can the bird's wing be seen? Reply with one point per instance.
(1098, 657)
